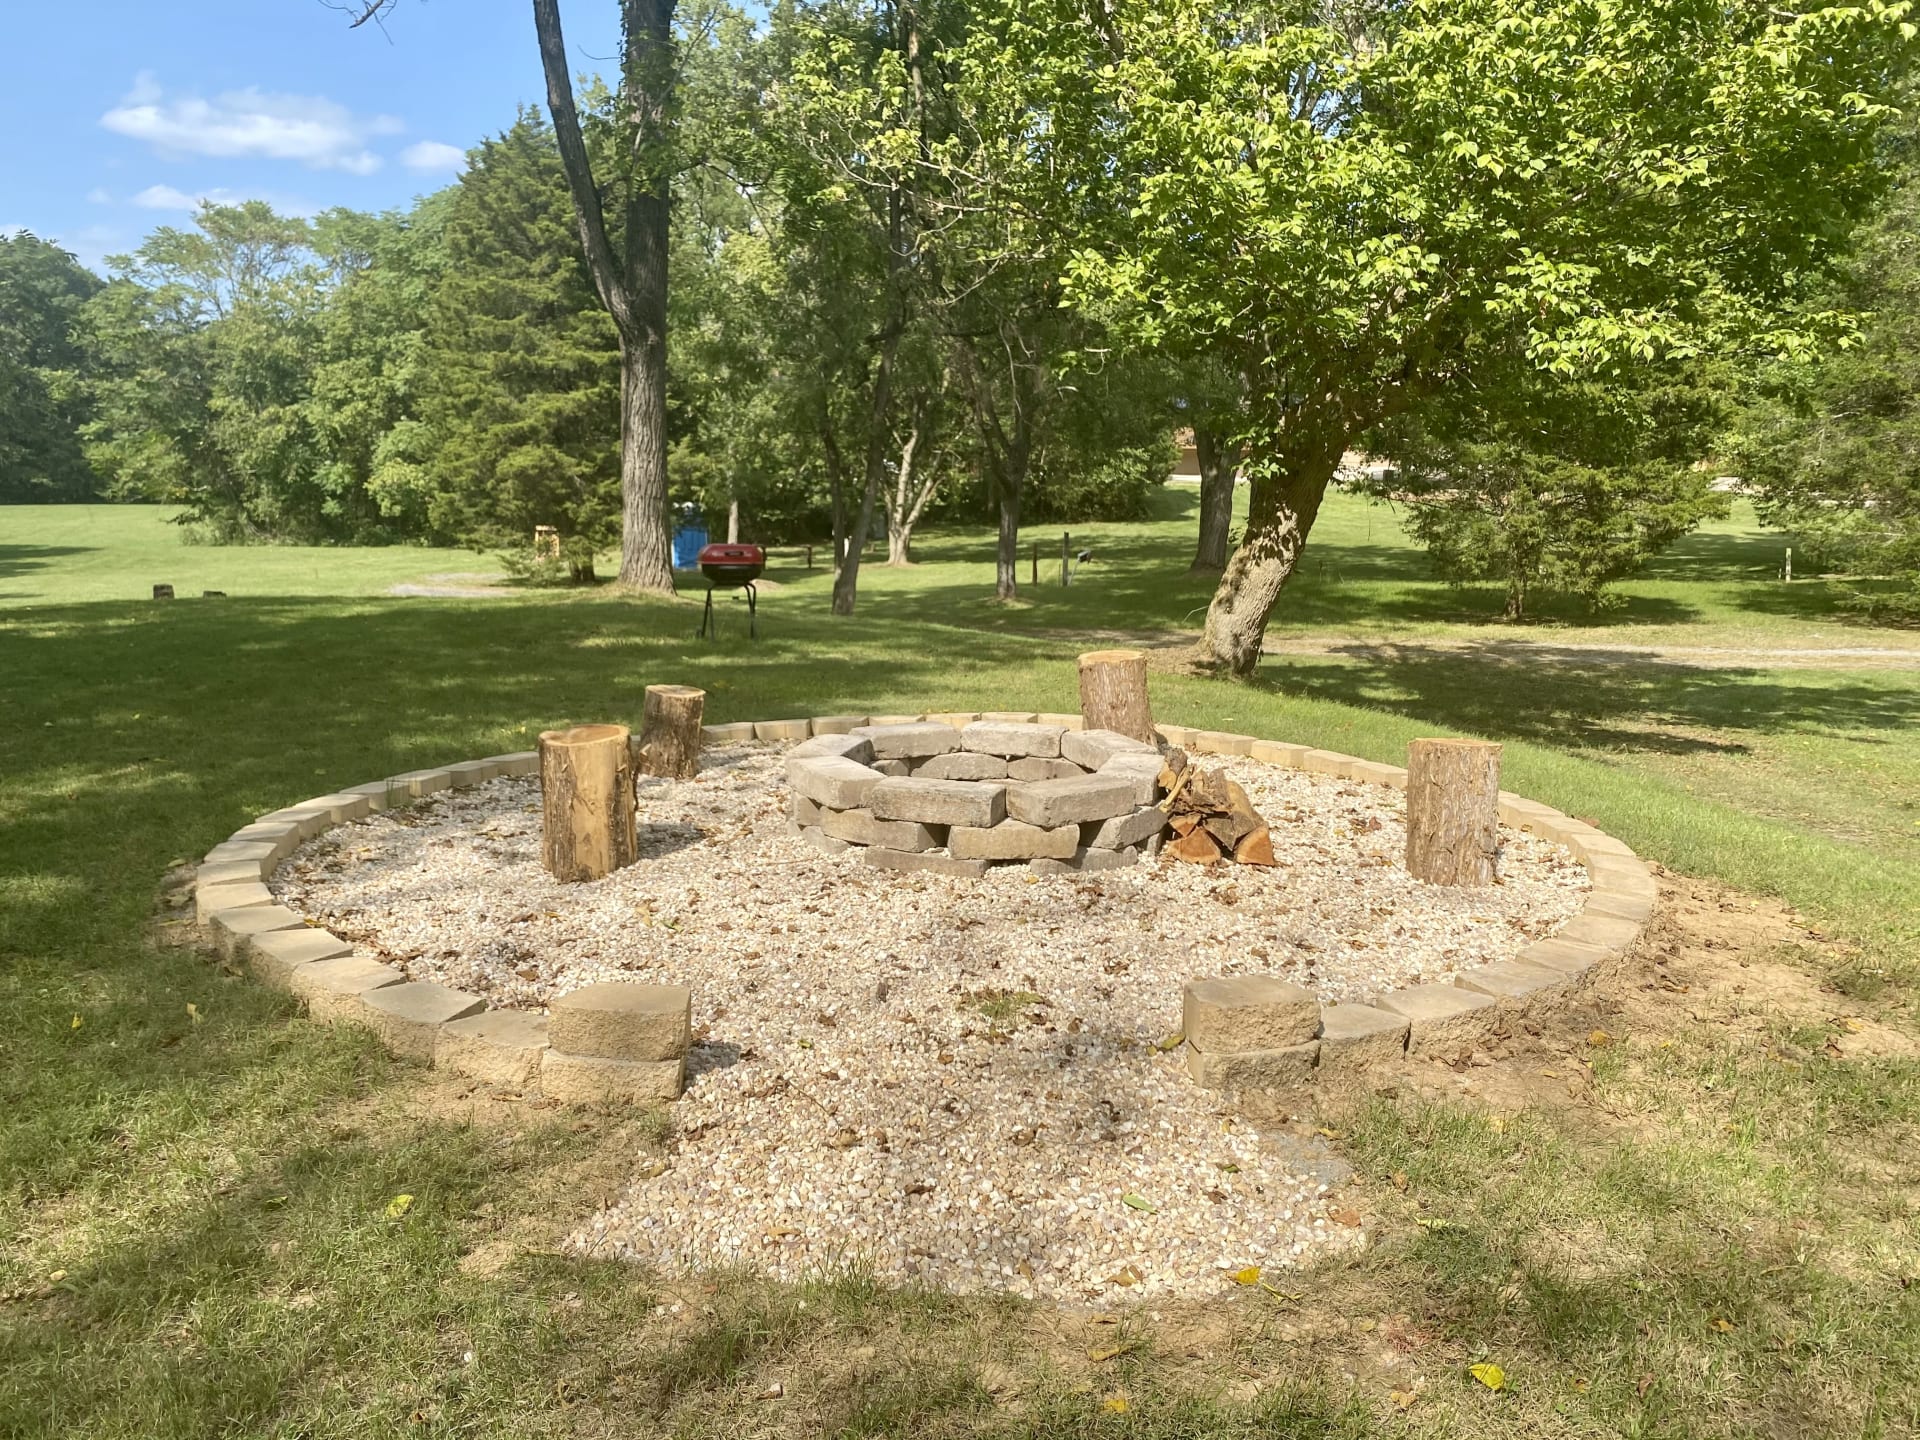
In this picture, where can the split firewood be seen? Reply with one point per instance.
(1255, 848)
(1197, 847)
(1212, 816)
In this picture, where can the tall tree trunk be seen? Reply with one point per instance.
(911, 489)
(646, 556)
(733, 521)
(632, 286)
(1216, 503)
(1006, 557)
(846, 584)
(1286, 492)
(836, 481)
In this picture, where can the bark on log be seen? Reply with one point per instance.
(670, 731)
(1113, 693)
(1453, 811)
(586, 797)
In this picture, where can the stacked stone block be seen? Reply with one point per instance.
(955, 794)
(618, 1042)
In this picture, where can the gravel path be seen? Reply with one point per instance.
(957, 1081)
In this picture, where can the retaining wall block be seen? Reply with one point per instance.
(593, 1080)
(502, 1048)
(273, 957)
(1281, 1069)
(332, 988)
(932, 864)
(613, 1020)
(408, 1017)
(780, 731)
(231, 929)
(1231, 1013)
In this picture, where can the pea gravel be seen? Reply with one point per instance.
(964, 1082)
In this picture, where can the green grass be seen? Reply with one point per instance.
(214, 1184)
(69, 554)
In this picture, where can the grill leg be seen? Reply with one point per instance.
(707, 618)
(753, 612)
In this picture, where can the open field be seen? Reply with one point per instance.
(1702, 1223)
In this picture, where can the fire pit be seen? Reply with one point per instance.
(732, 566)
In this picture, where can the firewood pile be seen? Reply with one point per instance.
(1212, 819)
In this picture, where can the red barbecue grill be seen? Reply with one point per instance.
(732, 567)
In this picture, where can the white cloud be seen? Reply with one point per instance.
(166, 197)
(434, 155)
(99, 196)
(316, 131)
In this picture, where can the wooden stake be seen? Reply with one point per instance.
(1453, 811)
(670, 731)
(1113, 693)
(586, 797)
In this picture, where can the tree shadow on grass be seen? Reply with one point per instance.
(22, 559)
(1569, 701)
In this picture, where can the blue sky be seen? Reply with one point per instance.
(116, 116)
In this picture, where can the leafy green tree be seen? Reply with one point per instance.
(1358, 207)
(375, 451)
(1554, 486)
(1834, 445)
(521, 391)
(200, 356)
(42, 404)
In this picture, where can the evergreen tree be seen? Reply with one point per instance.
(522, 394)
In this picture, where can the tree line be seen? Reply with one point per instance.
(858, 262)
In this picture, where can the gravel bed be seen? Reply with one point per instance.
(956, 1081)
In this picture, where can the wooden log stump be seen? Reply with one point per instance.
(1113, 693)
(1453, 811)
(586, 796)
(670, 731)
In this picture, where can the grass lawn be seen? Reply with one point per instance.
(1705, 1225)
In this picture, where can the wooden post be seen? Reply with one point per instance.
(586, 798)
(1036, 563)
(1113, 693)
(670, 731)
(1066, 539)
(1453, 811)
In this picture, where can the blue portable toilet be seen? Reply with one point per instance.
(688, 541)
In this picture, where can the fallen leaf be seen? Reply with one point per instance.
(1326, 1134)
(1101, 1354)
(1581, 1384)
(1853, 1024)
(1172, 1042)
(1348, 1218)
(1643, 1384)
(1136, 1202)
(1115, 1405)
(1248, 1276)
(77, 1023)
(1226, 1167)
(1399, 1180)
(772, 1392)
(1722, 1324)
(1432, 1223)
(398, 1206)
(1489, 1375)
(781, 1232)
(1403, 1399)
(1124, 1277)
(193, 1012)
(1599, 1039)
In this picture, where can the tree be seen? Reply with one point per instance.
(199, 359)
(1357, 207)
(372, 366)
(1833, 445)
(522, 392)
(632, 281)
(1544, 485)
(42, 404)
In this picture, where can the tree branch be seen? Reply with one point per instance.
(579, 169)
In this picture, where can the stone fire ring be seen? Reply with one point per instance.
(621, 1042)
